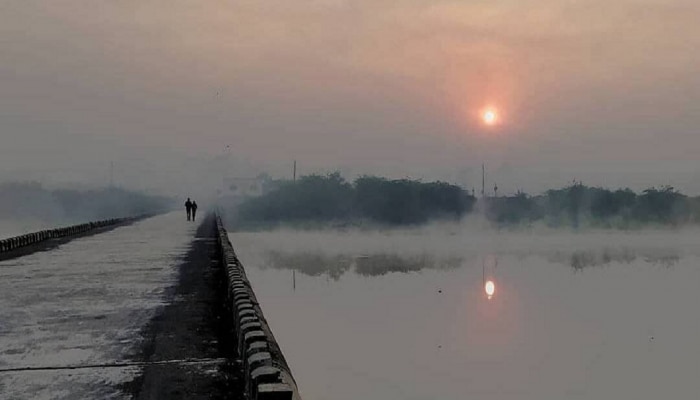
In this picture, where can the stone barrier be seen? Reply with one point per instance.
(30, 239)
(266, 373)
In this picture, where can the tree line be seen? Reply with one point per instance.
(577, 204)
(331, 198)
(326, 198)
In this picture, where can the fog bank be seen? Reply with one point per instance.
(27, 207)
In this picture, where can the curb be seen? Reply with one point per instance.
(30, 239)
(266, 373)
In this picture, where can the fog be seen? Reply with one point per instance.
(475, 236)
(30, 207)
(115, 107)
(181, 95)
(203, 99)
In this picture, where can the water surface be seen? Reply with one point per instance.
(405, 315)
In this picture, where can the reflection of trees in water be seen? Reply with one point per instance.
(313, 264)
(381, 264)
(665, 261)
(335, 265)
(578, 260)
(317, 264)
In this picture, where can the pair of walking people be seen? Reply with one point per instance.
(191, 207)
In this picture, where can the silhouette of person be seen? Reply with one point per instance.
(194, 210)
(188, 207)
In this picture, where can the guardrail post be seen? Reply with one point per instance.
(29, 239)
(266, 373)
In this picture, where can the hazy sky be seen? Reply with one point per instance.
(603, 91)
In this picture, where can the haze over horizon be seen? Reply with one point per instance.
(602, 92)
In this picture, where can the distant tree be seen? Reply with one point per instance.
(330, 197)
(662, 205)
(607, 204)
(408, 202)
(312, 197)
(520, 208)
(568, 203)
(404, 202)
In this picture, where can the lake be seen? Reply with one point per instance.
(406, 315)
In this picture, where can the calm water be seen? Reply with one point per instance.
(405, 315)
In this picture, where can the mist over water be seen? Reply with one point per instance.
(404, 314)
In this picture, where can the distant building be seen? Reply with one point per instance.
(244, 187)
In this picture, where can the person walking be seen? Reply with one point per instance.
(188, 207)
(194, 210)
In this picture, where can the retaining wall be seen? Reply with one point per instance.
(30, 239)
(266, 373)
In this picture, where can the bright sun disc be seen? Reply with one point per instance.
(490, 288)
(489, 117)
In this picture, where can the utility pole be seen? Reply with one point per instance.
(483, 180)
(295, 171)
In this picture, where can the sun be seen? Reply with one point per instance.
(489, 116)
(490, 289)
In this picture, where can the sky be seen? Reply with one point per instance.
(180, 95)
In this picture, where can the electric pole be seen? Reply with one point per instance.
(483, 180)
